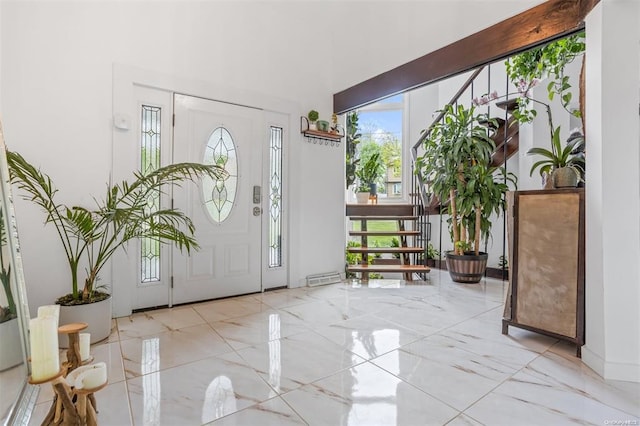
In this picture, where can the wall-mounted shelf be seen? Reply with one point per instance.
(332, 138)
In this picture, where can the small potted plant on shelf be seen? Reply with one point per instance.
(313, 116)
(323, 125)
(456, 165)
(91, 235)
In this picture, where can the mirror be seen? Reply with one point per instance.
(18, 397)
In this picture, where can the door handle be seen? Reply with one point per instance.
(257, 194)
(257, 211)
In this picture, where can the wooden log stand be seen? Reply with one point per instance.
(71, 406)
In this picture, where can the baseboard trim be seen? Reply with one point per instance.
(593, 360)
(610, 370)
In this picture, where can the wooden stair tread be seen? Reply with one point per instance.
(382, 233)
(388, 268)
(379, 210)
(383, 217)
(506, 145)
(509, 104)
(385, 249)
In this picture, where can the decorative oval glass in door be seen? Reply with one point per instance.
(219, 194)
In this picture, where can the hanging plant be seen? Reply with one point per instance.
(527, 69)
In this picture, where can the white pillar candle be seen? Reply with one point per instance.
(85, 339)
(50, 311)
(73, 375)
(43, 336)
(92, 377)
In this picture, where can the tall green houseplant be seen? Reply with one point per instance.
(456, 165)
(351, 151)
(90, 236)
(370, 171)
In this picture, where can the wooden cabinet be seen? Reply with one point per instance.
(546, 256)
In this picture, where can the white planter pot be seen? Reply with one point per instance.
(10, 347)
(362, 197)
(97, 315)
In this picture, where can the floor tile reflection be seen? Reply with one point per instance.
(291, 362)
(384, 353)
(157, 352)
(367, 395)
(274, 412)
(196, 393)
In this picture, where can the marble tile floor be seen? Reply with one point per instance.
(386, 353)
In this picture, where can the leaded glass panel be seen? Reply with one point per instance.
(275, 198)
(150, 161)
(219, 194)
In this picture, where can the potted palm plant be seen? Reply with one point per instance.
(456, 165)
(90, 236)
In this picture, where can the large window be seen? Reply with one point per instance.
(380, 126)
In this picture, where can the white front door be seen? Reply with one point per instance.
(227, 214)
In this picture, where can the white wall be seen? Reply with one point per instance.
(57, 60)
(374, 37)
(613, 191)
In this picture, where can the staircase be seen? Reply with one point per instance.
(414, 220)
(506, 136)
(410, 251)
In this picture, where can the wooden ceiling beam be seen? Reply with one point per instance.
(548, 21)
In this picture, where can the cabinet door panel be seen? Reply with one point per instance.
(548, 253)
